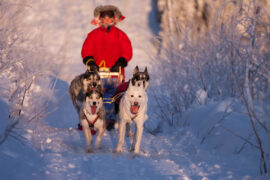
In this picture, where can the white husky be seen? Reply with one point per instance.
(133, 108)
(92, 118)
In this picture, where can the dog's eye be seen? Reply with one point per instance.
(131, 96)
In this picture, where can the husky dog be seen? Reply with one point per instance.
(140, 78)
(81, 85)
(133, 108)
(92, 118)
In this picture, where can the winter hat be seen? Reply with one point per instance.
(117, 14)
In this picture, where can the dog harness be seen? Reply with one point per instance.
(91, 124)
(132, 119)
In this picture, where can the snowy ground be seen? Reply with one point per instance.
(56, 150)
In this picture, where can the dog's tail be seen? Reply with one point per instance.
(73, 99)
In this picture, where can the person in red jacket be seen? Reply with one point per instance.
(107, 45)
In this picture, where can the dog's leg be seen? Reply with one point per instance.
(99, 137)
(139, 132)
(133, 140)
(121, 136)
(129, 132)
(78, 109)
(87, 135)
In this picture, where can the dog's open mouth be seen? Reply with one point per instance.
(134, 109)
(93, 109)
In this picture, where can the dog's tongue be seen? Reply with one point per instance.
(134, 109)
(93, 109)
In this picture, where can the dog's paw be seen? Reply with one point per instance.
(136, 152)
(118, 150)
(89, 150)
(135, 155)
(98, 146)
(131, 149)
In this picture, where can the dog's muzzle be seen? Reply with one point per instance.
(93, 109)
(134, 108)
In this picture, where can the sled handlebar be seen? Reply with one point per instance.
(105, 72)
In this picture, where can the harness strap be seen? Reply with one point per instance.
(134, 117)
(91, 124)
(112, 100)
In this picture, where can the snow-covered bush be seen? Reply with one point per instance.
(25, 69)
(230, 59)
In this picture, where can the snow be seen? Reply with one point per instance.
(199, 148)
(201, 96)
(4, 114)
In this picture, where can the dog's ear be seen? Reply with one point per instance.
(95, 70)
(87, 97)
(145, 70)
(147, 77)
(99, 89)
(86, 75)
(130, 85)
(136, 70)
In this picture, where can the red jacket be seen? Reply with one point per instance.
(107, 45)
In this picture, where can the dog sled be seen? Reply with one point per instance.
(110, 81)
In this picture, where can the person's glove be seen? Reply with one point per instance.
(121, 62)
(90, 62)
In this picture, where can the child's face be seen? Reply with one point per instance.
(107, 20)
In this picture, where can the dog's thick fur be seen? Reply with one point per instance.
(92, 115)
(133, 108)
(81, 85)
(140, 78)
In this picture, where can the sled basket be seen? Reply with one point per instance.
(106, 73)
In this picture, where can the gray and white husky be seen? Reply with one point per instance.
(92, 118)
(82, 84)
(140, 78)
(133, 108)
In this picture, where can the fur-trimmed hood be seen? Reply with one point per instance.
(117, 13)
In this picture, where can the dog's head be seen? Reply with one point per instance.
(94, 100)
(91, 81)
(136, 97)
(140, 78)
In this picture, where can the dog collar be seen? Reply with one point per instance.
(132, 119)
